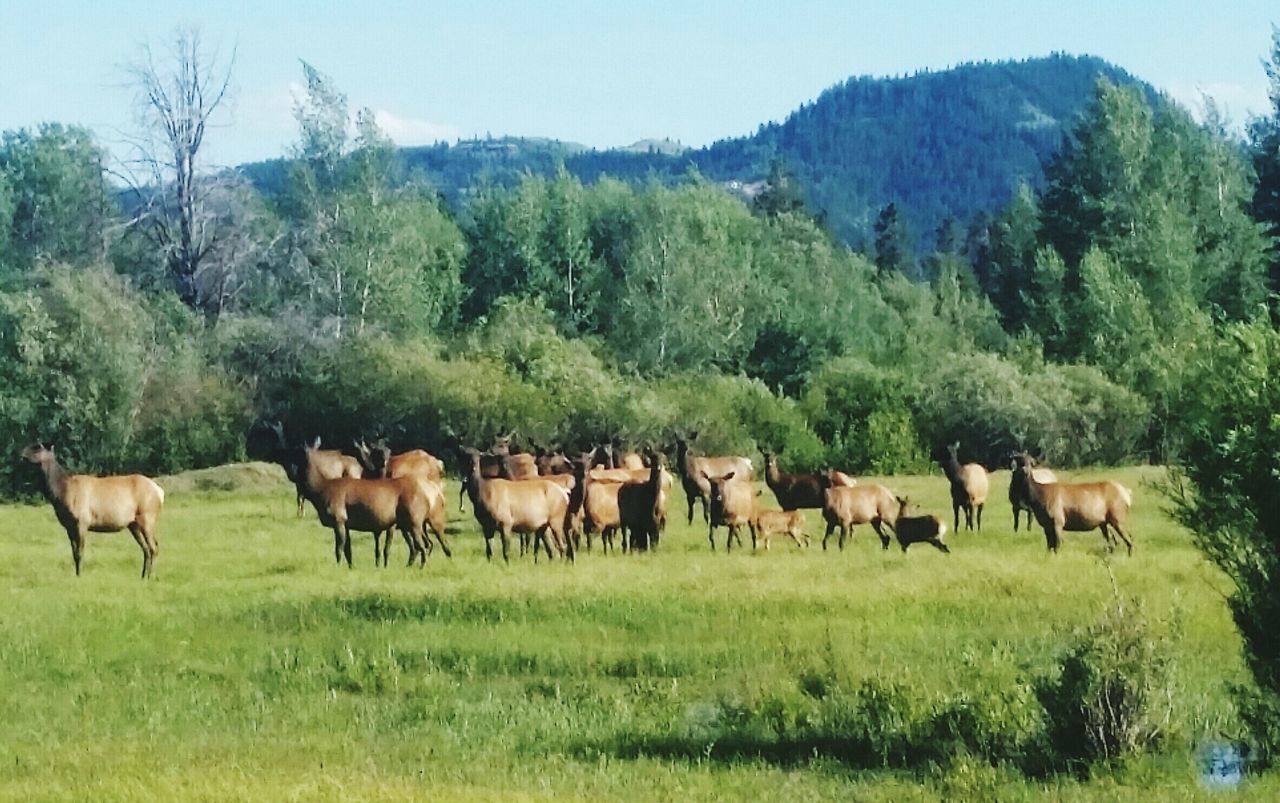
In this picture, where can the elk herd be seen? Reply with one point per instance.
(554, 502)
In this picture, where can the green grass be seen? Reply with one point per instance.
(255, 668)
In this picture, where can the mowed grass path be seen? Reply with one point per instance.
(255, 668)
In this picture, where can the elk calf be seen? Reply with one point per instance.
(85, 504)
(779, 522)
(919, 529)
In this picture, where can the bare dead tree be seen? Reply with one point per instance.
(177, 101)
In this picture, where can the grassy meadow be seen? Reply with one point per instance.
(255, 668)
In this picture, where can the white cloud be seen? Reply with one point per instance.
(411, 131)
(1236, 102)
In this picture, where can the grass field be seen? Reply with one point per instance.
(254, 668)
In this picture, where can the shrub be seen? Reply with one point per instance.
(1112, 697)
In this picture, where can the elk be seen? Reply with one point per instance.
(85, 504)
(846, 506)
(329, 464)
(496, 466)
(538, 507)
(796, 491)
(733, 505)
(377, 506)
(642, 507)
(969, 486)
(551, 462)
(378, 461)
(624, 459)
(1018, 499)
(779, 522)
(601, 512)
(919, 529)
(694, 470)
(1076, 506)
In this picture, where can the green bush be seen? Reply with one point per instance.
(1112, 697)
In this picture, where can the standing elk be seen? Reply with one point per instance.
(919, 529)
(310, 463)
(969, 486)
(796, 491)
(845, 506)
(695, 470)
(779, 522)
(377, 506)
(642, 507)
(733, 505)
(1019, 498)
(85, 504)
(1076, 506)
(378, 461)
(537, 507)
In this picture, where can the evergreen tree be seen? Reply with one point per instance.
(1264, 145)
(894, 251)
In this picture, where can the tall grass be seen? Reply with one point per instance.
(255, 668)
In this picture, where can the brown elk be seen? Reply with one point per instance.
(846, 506)
(694, 470)
(378, 461)
(733, 505)
(779, 522)
(796, 491)
(328, 464)
(969, 486)
(601, 512)
(642, 507)
(378, 506)
(1077, 506)
(919, 529)
(551, 462)
(1018, 491)
(85, 504)
(495, 465)
(537, 507)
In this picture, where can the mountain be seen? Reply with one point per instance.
(939, 144)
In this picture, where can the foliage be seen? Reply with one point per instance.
(55, 202)
(1232, 499)
(1113, 695)
(87, 366)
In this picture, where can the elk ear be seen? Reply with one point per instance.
(315, 444)
(693, 435)
(728, 476)
(705, 477)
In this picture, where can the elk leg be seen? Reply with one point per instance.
(938, 544)
(444, 543)
(955, 511)
(1123, 537)
(136, 532)
(337, 544)
(153, 543)
(980, 517)
(689, 498)
(506, 544)
(1051, 532)
(831, 526)
(878, 526)
(711, 536)
(346, 545)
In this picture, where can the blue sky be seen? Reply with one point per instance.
(598, 73)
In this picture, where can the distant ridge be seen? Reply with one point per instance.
(938, 144)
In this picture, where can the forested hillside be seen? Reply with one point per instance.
(149, 330)
(938, 145)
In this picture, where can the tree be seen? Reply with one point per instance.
(176, 103)
(781, 193)
(1232, 500)
(1264, 145)
(55, 203)
(371, 249)
(894, 251)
